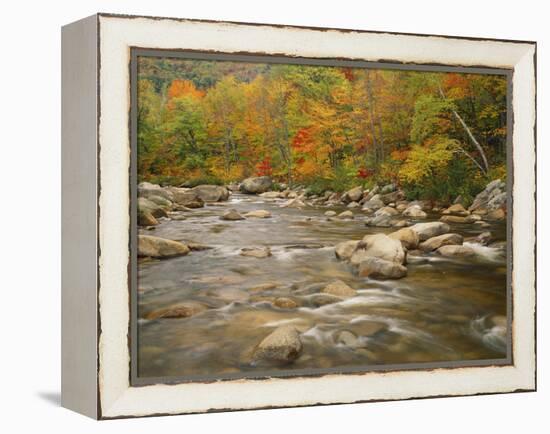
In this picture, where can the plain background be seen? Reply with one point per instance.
(30, 216)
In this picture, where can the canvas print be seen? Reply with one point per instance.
(295, 218)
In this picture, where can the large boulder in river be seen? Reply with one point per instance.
(415, 211)
(155, 247)
(430, 229)
(146, 189)
(491, 198)
(282, 345)
(211, 193)
(379, 246)
(392, 197)
(353, 195)
(339, 289)
(345, 249)
(231, 214)
(146, 206)
(372, 205)
(457, 209)
(377, 268)
(386, 211)
(187, 198)
(409, 238)
(435, 243)
(258, 213)
(456, 251)
(145, 218)
(256, 185)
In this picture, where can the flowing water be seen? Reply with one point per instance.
(441, 311)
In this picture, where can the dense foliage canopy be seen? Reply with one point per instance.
(436, 134)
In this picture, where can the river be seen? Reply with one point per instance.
(440, 311)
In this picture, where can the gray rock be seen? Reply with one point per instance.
(155, 247)
(415, 212)
(379, 246)
(430, 229)
(211, 193)
(231, 214)
(256, 185)
(456, 251)
(259, 213)
(180, 310)
(373, 204)
(408, 238)
(378, 268)
(186, 197)
(319, 300)
(435, 243)
(353, 195)
(345, 215)
(256, 252)
(145, 205)
(283, 345)
(457, 210)
(339, 289)
(345, 249)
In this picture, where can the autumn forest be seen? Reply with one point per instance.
(436, 135)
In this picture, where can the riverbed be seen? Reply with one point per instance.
(441, 311)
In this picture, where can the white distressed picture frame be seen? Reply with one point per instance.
(96, 219)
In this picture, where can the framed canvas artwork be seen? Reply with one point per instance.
(261, 216)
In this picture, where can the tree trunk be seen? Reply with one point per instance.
(470, 135)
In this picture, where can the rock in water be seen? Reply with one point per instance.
(155, 247)
(145, 218)
(282, 345)
(345, 215)
(497, 214)
(484, 238)
(285, 303)
(211, 193)
(409, 238)
(339, 289)
(456, 209)
(454, 219)
(379, 246)
(345, 249)
(256, 185)
(231, 214)
(146, 189)
(319, 300)
(377, 268)
(415, 212)
(429, 230)
(347, 338)
(181, 310)
(456, 251)
(435, 243)
(187, 198)
(259, 213)
(386, 211)
(353, 195)
(330, 213)
(256, 252)
(146, 205)
(294, 203)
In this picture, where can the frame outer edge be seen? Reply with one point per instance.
(79, 97)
